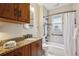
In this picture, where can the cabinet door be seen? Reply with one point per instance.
(12, 53)
(24, 12)
(8, 10)
(24, 51)
(39, 47)
(36, 48)
(15, 11)
(2, 8)
(9, 54)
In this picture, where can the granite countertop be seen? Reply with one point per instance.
(19, 44)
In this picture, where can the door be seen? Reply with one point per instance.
(56, 29)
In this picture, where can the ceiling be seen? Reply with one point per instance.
(50, 6)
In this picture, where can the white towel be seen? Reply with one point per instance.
(75, 34)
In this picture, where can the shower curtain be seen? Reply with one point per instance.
(69, 26)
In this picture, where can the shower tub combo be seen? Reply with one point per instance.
(53, 49)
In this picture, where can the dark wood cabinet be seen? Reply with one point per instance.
(33, 49)
(24, 51)
(12, 53)
(24, 12)
(36, 48)
(19, 12)
(8, 10)
(39, 47)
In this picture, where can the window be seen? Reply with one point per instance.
(57, 25)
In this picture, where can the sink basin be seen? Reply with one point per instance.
(9, 44)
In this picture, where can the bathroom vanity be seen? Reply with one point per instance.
(26, 47)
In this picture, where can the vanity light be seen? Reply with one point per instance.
(32, 8)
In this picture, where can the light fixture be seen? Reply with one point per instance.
(31, 8)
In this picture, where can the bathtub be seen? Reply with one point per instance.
(53, 49)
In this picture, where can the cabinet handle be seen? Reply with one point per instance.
(17, 12)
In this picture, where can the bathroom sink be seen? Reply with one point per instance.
(9, 44)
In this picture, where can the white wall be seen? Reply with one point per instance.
(67, 7)
(11, 30)
(40, 12)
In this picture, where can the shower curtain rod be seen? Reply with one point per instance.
(59, 13)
